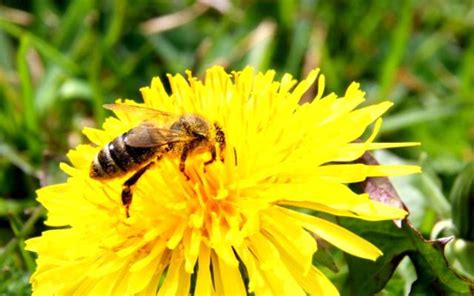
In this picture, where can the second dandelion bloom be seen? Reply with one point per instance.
(239, 224)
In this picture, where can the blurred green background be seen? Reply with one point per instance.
(61, 60)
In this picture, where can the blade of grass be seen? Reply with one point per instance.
(467, 74)
(330, 70)
(255, 46)
(30, 117)
(123, 68)
(15, 223)
(170, 55)
(260, 55)
(398, 46)
(114, 28)
(95, 84)
(6, 53)
(9, 115)
(26, 229)
(14, 157)
(438, 201)
(42, 46)
(16, 226)
(287, 11)
(411, 117)
(299, 44)
(8, 206)
(27, 256)
(26, 85)
(46, 92)
(74, 17)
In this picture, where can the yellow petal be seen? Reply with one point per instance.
(176, 279)
(366, 210)
(191, 248)
(351, 173)
(204, 284)
(276, 275)
(337, 236)
(227, 278)
(300, 245)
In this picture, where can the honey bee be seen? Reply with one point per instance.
(141, 147)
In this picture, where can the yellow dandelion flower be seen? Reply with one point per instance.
(229, 227)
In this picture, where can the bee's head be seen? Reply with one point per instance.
(196, 126)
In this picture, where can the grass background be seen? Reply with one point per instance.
(61, 60)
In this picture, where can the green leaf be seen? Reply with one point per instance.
(323, 257)
(388, 238)
(433, 271)
(460, 253)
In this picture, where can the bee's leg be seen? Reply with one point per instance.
(182, 160)
(127, 193)
(213, 156)
(220, 138)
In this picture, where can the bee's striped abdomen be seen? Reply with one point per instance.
(117, 158)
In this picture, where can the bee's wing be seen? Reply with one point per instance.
(140, 111)
(149, 135)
